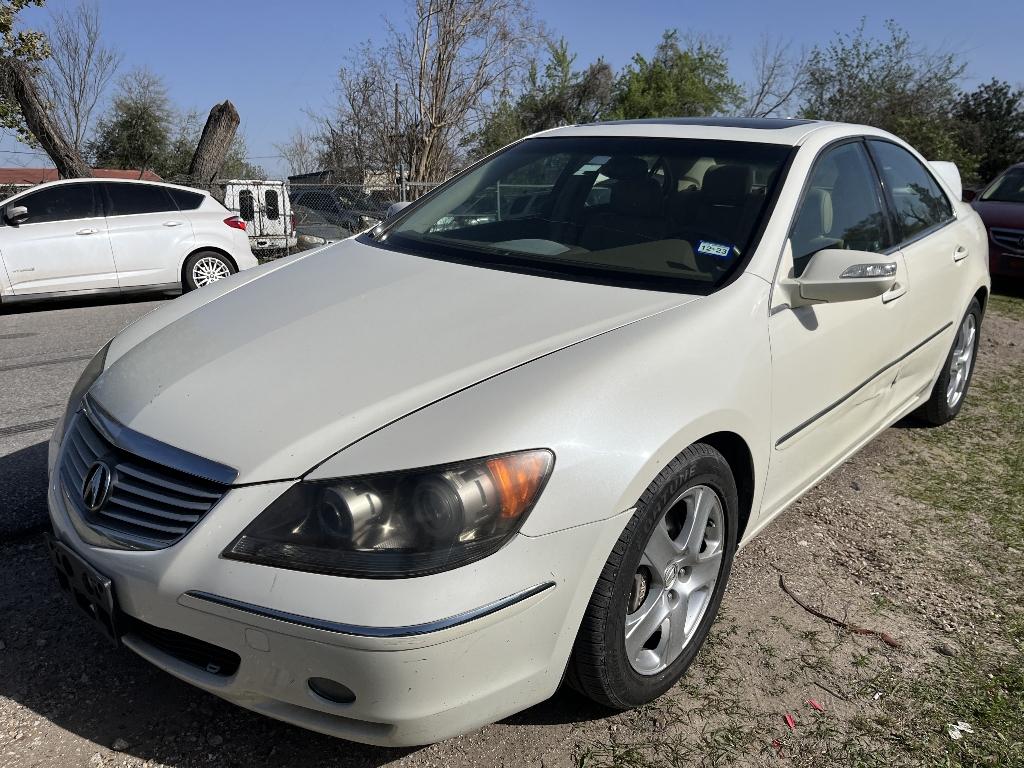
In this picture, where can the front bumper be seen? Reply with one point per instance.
(426, 658)
(1005, 263)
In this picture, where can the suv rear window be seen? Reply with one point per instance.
(186, 201)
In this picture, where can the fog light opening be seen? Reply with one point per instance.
(331, 690)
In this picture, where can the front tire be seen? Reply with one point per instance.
(205, 267)
(950, 389)
(662, 585)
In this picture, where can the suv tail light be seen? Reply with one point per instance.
(235, 221)
(293, 221)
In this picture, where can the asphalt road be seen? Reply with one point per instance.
(43, 349)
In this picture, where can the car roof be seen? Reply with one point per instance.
(765, 130)
(101, 180)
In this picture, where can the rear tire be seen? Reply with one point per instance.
(950, 389)
(658, 595)
(203, 268)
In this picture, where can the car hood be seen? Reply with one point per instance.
(997, 214)
(280, 371)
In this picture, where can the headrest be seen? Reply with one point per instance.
(637, 197)
(728, 184)
(624, 167)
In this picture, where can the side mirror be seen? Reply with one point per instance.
(834, 275)
(394, 208)
(15, 214)
(969, 195)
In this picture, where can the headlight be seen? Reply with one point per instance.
(397, 524)
(85, 381)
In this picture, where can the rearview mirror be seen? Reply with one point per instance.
(834, 275)
(15, 214)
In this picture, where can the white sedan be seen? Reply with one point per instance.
(104, 236)
(461, 463)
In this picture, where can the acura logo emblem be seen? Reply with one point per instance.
(96, 486)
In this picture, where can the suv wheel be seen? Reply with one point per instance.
(204, 268)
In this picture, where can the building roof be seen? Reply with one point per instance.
(20, 176)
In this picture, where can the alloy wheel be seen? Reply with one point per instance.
(209, 270)
(962, 360)
(675, 580)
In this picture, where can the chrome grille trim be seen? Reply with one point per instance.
(1011, 239)
(150, 506)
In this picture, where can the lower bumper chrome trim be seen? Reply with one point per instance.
(357, 630)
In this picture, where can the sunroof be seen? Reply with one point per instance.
(761, 123)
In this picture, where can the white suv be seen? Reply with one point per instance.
(87, 236)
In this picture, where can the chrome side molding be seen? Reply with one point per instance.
(359, 630)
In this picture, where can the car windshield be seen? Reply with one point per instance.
(1008, 188)
(676, 214)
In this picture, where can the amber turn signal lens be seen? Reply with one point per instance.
(519, 478)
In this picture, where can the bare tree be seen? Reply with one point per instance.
(18, 80)
(414, 100)
(299, 152)
(79, 70)
(779, 77)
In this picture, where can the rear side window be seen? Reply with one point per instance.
(133, 199)
(60, 203)
(270, 198)
(185, 200)
(918, 200)
(841, 208)
(246, 209)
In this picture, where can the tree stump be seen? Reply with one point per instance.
(218, 133)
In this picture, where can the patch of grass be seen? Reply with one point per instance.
(980, 688)
(1010, 306)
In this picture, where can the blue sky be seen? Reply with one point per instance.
(276, 58)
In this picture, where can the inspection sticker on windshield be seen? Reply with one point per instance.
(718, 250)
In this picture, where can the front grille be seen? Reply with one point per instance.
(149, 506)
(1011, 239)
(206, 656)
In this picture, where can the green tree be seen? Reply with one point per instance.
(685, 77)
(25, 45)
(891, 84)
(560, 95)
(136, 131)
(991, 126)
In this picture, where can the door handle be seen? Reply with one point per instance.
(960, 253)
(86, 232)
(172, 223)
(897, 290)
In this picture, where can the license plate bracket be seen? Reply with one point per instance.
(89, 589)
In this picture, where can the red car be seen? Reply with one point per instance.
(1001, 207)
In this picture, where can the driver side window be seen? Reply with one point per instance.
(841, 207)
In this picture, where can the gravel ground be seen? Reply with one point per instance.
(880, 544)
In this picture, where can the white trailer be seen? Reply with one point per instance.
(267, 212)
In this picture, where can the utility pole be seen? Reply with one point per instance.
(398, 153)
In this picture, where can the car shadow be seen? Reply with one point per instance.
(59, 667)
(77, 302)
(23, 491)
(1008, 287)
(56, 665)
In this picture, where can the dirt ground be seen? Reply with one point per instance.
(920, 536)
